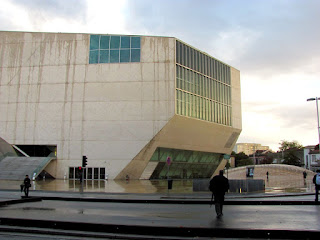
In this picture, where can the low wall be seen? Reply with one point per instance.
(236, 185)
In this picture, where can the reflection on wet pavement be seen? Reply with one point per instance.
(275, 184)
(110, 186)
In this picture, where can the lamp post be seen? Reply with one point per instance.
(316, 99)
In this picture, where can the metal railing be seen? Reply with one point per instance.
(43, 164)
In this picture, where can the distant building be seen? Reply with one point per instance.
(311, 158)
(261, 157)
(249, 148)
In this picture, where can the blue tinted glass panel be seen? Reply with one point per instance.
(115, 42)
(124, 49)
(104, 56)
(125, 42)
(104, 42)
(135, 42)
(125, 55)
(114, 56)
(94, 42)
(135, 55)
(94, 56)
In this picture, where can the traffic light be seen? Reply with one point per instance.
(80, 169)
(84, 161)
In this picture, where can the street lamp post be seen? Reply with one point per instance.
(316, 99)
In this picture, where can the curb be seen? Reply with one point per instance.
(184, 232)
(22, 200)
(167, 201)
(157, 201)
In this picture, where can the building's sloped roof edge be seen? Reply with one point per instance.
(115, 34)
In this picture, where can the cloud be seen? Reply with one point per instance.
(294, 116)
(106, 17)
(192, 21)
(287, 38)
(84, 16)
(36, 15)
(256, 36)
(269, 123)
(54, 8)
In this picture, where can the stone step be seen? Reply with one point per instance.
(16, 168)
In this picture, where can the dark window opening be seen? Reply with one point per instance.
(37, 150)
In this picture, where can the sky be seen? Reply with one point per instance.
(274, 43)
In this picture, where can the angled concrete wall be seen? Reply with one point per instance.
(6, 149)
(49, 94)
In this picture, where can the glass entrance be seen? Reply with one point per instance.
(89, 173)
(184, 164)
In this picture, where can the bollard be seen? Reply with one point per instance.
(170, 183)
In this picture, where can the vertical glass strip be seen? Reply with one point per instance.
(180, 103)
(192, 58)
(187, 104)
(177, 77)
(215, 70)
(177, 52)
(176, 110)
(181, 53)
(207, 109)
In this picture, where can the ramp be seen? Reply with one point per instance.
(6, 149)
(149, 170)
(16, 168)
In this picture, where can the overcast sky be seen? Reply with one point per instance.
(274, 43)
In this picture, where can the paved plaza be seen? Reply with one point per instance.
(147, 209)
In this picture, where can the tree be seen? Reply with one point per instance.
(240, 156)
(244, 162)
(241, 159)
(286, 145)
(268, 159)
(291, 159)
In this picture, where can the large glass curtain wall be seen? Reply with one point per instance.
(203, 89)
(185, 164)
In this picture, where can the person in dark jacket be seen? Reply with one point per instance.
(27, 185)
(316, 181)
(219, 185)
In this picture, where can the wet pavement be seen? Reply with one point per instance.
(148, 208)
(276, 217)
(275, 184)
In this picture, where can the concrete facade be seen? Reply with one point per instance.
(116, 114)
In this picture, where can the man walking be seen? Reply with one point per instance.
(219, 185)
(27, 184)
(316, 181)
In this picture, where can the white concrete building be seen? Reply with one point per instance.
(126, 102)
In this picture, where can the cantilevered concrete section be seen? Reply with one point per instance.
(126, 102)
